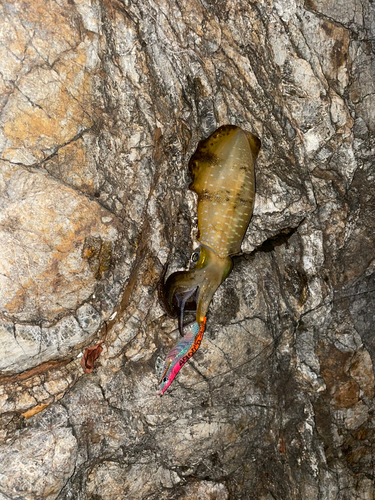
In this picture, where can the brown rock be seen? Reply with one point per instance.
(102, 105)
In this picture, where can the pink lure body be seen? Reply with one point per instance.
(180, 354)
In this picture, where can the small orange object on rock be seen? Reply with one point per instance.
(91, 354)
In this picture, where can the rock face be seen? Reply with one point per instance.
(102, 105)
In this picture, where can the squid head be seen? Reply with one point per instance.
(193, 290)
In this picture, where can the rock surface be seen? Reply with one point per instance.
(102, 105)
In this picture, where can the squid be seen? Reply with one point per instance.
(222, 172)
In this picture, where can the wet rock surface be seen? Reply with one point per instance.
(102, 105)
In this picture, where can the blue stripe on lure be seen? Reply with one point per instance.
(180, 354)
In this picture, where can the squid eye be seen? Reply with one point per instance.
(165, 379)
(195, 256)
